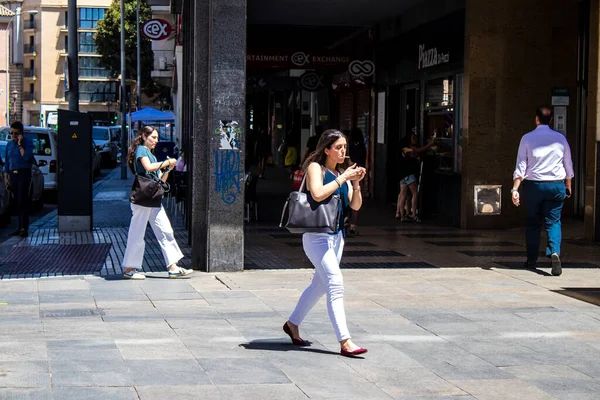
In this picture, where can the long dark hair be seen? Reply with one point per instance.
(327, 139)
(138, 140)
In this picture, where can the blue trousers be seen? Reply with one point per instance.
(544, 202)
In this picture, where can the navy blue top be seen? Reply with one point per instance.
(14, 160)
(143, 151)
(342, 191)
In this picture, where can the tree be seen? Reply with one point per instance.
(108, 43)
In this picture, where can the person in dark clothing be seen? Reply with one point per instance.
(17, 166)
(263, 151)
(311, 143)
(358, 155)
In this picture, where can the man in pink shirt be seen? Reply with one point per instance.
(545, 167)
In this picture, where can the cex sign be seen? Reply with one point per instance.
(157, 29)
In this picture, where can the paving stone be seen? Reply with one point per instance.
(114, 365)
(502, 389)
(92, 349)
(25, 394)
(23, 351)
(94, 393)
(23, 379)
(153, 349)
(263, 392)
(94, 378)
(242, 371)
(206, 392)
(167, 373)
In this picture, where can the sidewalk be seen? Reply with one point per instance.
(431, 334)
(433, 331)
(111, 218)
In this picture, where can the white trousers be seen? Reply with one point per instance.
(325, 252)
(134, 253)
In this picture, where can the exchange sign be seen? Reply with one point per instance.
(157, 29)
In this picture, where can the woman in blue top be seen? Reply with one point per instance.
(141, 161)
(328, 173)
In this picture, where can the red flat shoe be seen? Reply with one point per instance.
(297, 342)
(353, 353)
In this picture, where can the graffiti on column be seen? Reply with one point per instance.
(229, 175)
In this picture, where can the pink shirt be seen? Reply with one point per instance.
(544, 155)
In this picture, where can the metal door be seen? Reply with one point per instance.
(74, 171)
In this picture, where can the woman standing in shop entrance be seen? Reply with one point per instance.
(328, 173)
(141, 161)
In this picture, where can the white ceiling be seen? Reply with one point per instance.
(325, 12)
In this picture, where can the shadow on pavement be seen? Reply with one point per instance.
(272, 345)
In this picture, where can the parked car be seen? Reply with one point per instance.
(37, 182)
(106, 139)
(45, 151)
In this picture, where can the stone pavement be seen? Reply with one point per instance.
(432, 334)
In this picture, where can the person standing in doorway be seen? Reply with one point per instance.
(18, 162)
(141, 161)
(358, 155)
(328, 174)
(545, 168)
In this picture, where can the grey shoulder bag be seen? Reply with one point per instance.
(307, 215)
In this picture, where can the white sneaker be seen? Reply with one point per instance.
(556, 265)
(180, 273)
(134, 275)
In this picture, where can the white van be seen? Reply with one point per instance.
(45, 151)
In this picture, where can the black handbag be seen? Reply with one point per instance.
(147, 190)
(307, 215)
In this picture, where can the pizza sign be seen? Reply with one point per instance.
(157, 29)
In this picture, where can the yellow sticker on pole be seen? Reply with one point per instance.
(74, 136)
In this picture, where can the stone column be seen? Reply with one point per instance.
(219, 87)
(592, 203)
(516, 51)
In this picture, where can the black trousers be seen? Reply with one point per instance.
(19, 183)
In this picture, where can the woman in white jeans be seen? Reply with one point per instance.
(141, 161)
(328, 173)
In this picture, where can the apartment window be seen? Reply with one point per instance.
(89, 17)
(66, 43)
(97, 92)
(89, 67)
(66, 19)
(87, 42)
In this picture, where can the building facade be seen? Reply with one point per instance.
(6, 18)
(42, 58)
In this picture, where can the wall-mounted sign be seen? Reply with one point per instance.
(361, 68)
(488, 199)
(311, 81)
(560, 97)
(157, 29)
(431, 57)
(298, 59)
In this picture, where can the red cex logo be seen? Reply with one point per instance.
(157, 29)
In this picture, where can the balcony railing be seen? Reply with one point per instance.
(30, 25)
(29, 73)
(29, 96)
(29, 49)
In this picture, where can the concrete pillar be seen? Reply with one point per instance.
(516, 51)
(592, 202)
(217, 168)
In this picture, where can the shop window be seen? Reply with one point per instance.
(440, 121)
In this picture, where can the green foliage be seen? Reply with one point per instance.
(108, 42)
